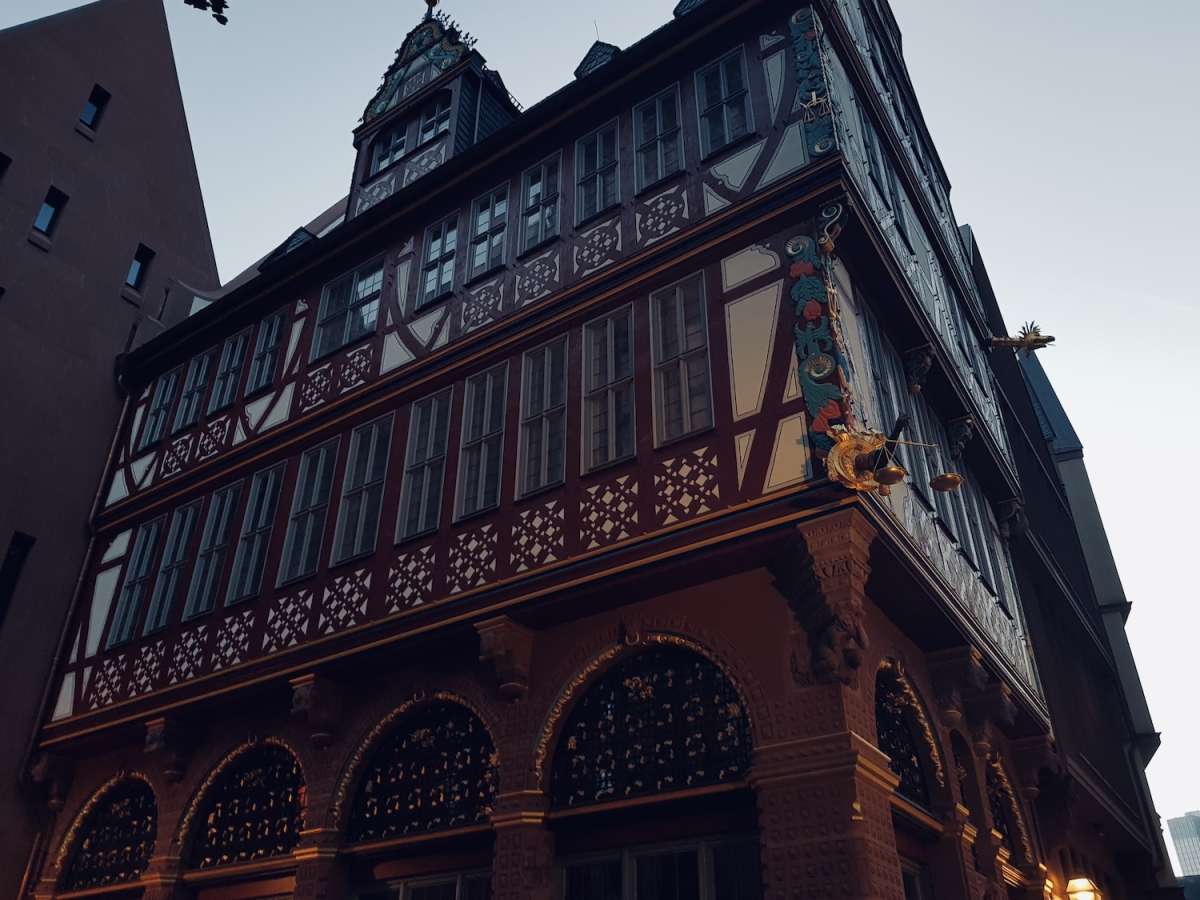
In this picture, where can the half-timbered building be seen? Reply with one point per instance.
(622, 501)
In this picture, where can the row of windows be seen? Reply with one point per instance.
(682, 404)
(398, 139)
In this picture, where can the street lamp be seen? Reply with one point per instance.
(1083, 889)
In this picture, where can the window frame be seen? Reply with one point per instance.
(680, 359)
(172, 568)
(424, 297)
(526, 418)
(253, 386)
(487, 237)
(348, 312)
(126, 610)
(375, 162)
(589, 391)
(403, 889)
(98, 104)
(464, 445)
(230, 371)
(309, 514)
(143, 258)
(628, 856)
(382, 425)
(256, 533)
(220, 551)
(639, 143)
(192, 396)
(440, 118)
(145, 439)
(543, 203)
(425, 465)
(56, 201)
(598, 173)
(706, 151)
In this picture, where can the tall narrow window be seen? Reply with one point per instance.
(142, 257)
(596, 174)
(435, 119)
(659, 149)
(229, 372)
(437, 274)
(51, 212)
(362, 489)
(425, 465)
(160, 406)
(170, 570)
(539, 204)
(544, 416)
(389, 147)
(482, 441)
(266, 353)
(608, 404)
(489, 225)
(138, 575)
(310, 504)
(681, 389)
(195, 383)
(93, 109)
(349, 309)
(251, 555)
(724, 101)
(214, 544)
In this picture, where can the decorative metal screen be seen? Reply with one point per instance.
(664, 720)
(999, 803)
(116, 838)
(898, 737)
(435, 769)
(254, 809)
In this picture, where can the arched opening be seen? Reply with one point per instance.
(966, 775)
(115, 838)
(1006, 818)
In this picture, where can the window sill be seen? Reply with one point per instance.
(85, 130)
(463, 518)
(537, 492)
(340, 347)
(258, 391)
(433, 301)
(213, 410)
(598, 214)
(538, 247)
(485, 275)
(679, 438)
(416, 535)
(735, 144)
(295, 579)
(611, 464)
(677, 175)
(40, 240)
(131, 295)
(177, 430)
(350, 560)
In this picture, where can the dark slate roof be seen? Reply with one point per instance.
(298, 237)
(1056, 426)
(683, 7)
(600, 54)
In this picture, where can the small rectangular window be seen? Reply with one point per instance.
(682, 397)
(539, 204)
(437, 273)
(435, 119)
(93, 109)
(161, 400)
(195, 383)
(659, 146)
(170, 570)
(389, 147)
(597, 175)
(349, 309)
(425, 465)
(266, 354)
(142, 258)
(362, 490)
(608, 400)
(724, 101)
(310, 505)
(544, 416)
(489, 226)
(229, 373)
(482, 440)
(138, 574)
(214, 545)
(250, 558)
(51, 212)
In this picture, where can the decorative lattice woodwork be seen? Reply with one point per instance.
(899, 736)
(115, 840)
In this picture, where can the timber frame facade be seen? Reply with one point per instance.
(482, 546)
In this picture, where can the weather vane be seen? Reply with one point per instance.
(430, 4)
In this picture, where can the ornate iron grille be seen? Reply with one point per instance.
(255, 809)
(664, 720)
(435, 769)
(998, 802)
(116, 839)
(898, 737)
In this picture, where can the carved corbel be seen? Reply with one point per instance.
(989, 711)
(959, 433)
(1029, 756)
(316, 700)
(508, 647)
(1011, 518)
(170, 744)
(823, 574)
(958, 673)
(51, 774)
(917, 364)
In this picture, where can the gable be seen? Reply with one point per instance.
(430, 49)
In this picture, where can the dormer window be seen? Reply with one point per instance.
(436, 118)
(389, 147)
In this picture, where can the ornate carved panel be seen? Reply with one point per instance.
(609, 512)
(410, 579)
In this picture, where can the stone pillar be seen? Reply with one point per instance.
(320, 875)
(953, 858)
(523, 859)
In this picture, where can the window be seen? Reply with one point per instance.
(116, 839)
(596, 174)
(659, 150)
(435, 119)
(349, 308)
(724, 102)
(160, 405)
(250, 558)
(142, 258)
(388, 147)
(437, 275)
(918, 883)
(138, 576)
(93, 110)
(489, 224)
(48, 216)
(195, 383)
(544, 416)
(310, 503)
(608, 404)
(362, 489)
(477, 886)
(266, 353)
(425, 465)
(229, 372)
(170, 569)
(726, 869)
(214, 543)
(482, 441)
(681, 390)
(539, 204)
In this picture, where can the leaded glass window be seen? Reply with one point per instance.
(608, 386)
(597, 175)
(254, 809)
(724, 100)
(539, 204)
(229, 373)
(160, 405)
(898, 737)
(664, 720)
(434, 770)
(349, 309)
(116, 839)
(659, 148)
(681, 383)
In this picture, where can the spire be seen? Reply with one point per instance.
(430, 4)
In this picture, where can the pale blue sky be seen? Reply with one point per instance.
(1069, 131)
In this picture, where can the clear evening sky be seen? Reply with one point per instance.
(1070, 134)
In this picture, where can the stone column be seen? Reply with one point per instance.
(523, 859)
(320, 875)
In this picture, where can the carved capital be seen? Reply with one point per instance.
(316, 700)
(959, 433)
(508, 647)
(1011, 518)
(988, 711)
(917, 364)
(51, 775)
(957, 673)
(1029, 756)
(170, 744)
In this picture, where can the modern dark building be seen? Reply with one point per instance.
(635, 496)
(100, 215)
